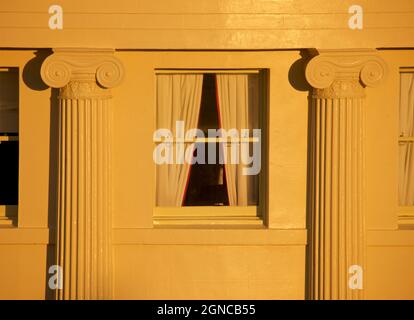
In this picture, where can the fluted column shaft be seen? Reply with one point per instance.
(336, 170)
(337, 194)
(84, 227)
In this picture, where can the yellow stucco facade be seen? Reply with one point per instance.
(206, 260)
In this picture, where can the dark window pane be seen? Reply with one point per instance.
(9, 172)
(207, 183)
(208, 118)
(9, 100)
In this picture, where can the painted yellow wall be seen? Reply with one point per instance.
(206, 263)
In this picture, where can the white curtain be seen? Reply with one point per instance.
(406, 171)
(233, 103)
(178, 99)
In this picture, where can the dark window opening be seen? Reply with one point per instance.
(207, 182)
(9, 164)
(9, 137)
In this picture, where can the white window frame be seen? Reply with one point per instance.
(247, 216)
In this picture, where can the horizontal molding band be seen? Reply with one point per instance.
(206, 39)
(137, 236)
(12, 235)
(212, 6)
(158, 20)
(390, 238)
(209, 237)
(177, 236)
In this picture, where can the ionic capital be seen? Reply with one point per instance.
(66, 65)
(344, 73)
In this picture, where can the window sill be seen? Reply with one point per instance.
(220, 216)
(8, 138)
(209, 222)
(8, 216)
(406, 217)
(406, 221)
(7, 222)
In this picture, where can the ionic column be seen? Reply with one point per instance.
(84, 210)
(336, 171)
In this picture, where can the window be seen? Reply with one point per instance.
(406, 149)
(208, 146)
(9, 145)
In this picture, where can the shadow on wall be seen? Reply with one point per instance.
(298, 81)
(32, 79)
(296, 75)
